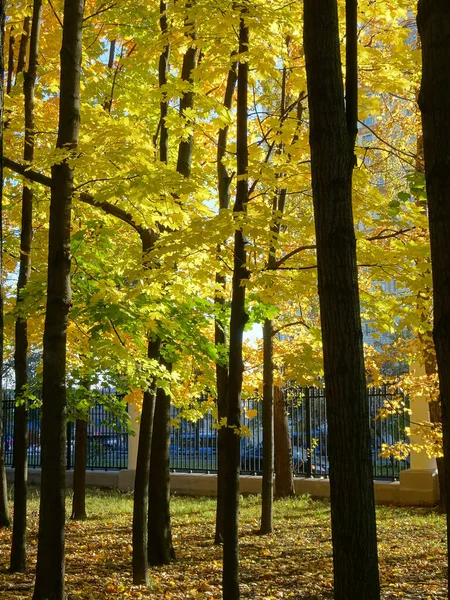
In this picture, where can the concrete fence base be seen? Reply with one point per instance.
(417, 487)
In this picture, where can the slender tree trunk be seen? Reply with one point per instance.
(230, 579)
(433, 20)
(141, 482)
(4, 516)
(142, 478)
(18, 546)
(284, 477)
(10, 73)
(79, 471)
(268, 431)
(278, 205)
(50, 566)
(160, 547)
(333, 128)
(224, 184)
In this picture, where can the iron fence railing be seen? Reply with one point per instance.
(193, 446)
(107, 439)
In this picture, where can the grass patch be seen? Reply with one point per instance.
(295, 562)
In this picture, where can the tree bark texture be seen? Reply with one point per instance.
(224, 185)
(268, 431)
(332, 135)
(230, 579)
(50, 565)
(4, 516)
(160, 547)
(18, 546)
(433, 20)
(284, 478)
(186, 147)
(141, 482)
(143, 461)
(278, 205)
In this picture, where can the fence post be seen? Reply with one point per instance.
(308, 433)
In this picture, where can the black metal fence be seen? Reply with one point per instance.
(193, 446)
(107, 440)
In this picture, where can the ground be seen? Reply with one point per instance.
(295, 562)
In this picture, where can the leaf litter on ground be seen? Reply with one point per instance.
(294, 563)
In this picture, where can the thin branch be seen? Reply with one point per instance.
(55, 13)
(276, 331)
(277, 264)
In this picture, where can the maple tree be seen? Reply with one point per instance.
(153, 232)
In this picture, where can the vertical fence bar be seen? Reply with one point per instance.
(308, 432)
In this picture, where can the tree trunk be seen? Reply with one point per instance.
(433, 20)
(4, 516)
(79, 471)
(230, 579)
(224, 184)
(18, 546)
(160, 548)
(141, 482)
(50, 565)
(333, 129)
(284, 477)
(268, 431)
(436, 419)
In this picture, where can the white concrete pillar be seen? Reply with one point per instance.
(133, 440)
(126, 476)
(419, 484)
(420, 411)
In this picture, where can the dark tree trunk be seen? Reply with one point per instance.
(160, 548)
(142, 477)
(10, 61)
(268, 431)
(433, 20)
(224, 184)
(185, 149)
(284, 478)
(230, 579)
(50, 565)
(79, 471)
(141, 482)
(18, 546)
(4, 516)
(333, 129)
(436, 419)
(278, 205)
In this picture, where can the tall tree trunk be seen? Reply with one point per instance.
(4, 516)
(50, 565)
(141, 482)
(224, 185)
(230, 579)
(284, 477)
(333, 129)
(433, 20)
(160, 547)
(143, 461)
(18, 546)
(268, 431)
(278, 205)
(79, 471)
